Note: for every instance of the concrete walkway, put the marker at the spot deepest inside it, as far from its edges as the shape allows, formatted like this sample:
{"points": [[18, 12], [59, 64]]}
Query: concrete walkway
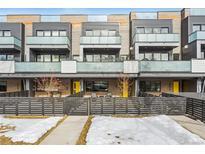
{"points": [[67, 132], [193, 126]]}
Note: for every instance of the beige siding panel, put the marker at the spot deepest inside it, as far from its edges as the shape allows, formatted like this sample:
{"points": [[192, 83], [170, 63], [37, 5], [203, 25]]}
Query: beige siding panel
{"points": [[176, 21], [123, 21], [76, 30], [26, 19]]}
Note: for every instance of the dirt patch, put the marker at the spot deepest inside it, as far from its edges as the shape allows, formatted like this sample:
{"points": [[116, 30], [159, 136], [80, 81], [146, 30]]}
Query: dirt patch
{"points": [[26, 117], [83, 134]]}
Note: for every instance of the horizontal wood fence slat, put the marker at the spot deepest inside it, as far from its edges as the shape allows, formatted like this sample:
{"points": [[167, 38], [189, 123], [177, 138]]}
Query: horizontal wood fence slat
{"points": [[93, 106]]}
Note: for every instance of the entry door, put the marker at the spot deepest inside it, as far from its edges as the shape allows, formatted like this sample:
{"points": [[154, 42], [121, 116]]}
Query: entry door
{"points": [[175, 86], [76, 87]]}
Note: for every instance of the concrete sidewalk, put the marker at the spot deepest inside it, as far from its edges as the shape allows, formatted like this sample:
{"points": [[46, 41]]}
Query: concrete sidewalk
{"points": [[67, 132], [193, 126]]}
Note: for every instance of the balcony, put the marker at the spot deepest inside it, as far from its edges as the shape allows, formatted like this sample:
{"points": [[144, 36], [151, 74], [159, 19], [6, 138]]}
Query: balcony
{"points": [[130, 67], [165, 66], [197, 35], [37, 40], [157, 38], [10, 42], [37, 67], [100, 67], [100, 40]]}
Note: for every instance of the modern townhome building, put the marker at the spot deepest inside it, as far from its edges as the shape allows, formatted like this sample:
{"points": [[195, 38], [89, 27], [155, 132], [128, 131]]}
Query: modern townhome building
{"points": [[157, 51]]}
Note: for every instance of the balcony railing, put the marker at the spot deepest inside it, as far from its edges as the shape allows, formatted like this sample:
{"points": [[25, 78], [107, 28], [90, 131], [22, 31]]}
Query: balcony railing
{"points": [[104, 67], [37, 67], [10, 41], [165, 66], [100, 40], [98, 67], [197, 35], [157, 38], [54, 40]]}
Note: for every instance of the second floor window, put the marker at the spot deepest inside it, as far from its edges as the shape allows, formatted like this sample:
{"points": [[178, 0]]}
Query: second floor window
{"points": [[7, 57], [5, 33], [154, 56], [50, 58]]}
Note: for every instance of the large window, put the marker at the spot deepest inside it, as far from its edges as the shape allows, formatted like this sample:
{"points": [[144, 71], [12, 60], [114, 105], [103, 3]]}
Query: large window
{"points": [[196, 27], [140, 30], [150, 86], [7, 57], [48, 33], [5, 33], [50, 58], [2, 86], [153, 56], [100, 58], [97, 86], [165, 30], [150, 30], [100, 33]]}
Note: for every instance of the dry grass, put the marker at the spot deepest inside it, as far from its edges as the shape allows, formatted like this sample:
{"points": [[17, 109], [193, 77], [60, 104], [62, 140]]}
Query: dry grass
{"points": [[6, 128], [26, 117], [7, 141], [83, 134]]}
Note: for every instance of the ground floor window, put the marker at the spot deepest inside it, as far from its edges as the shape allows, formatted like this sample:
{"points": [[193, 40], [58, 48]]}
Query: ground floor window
{"points": [[50, 58], [97, 86], [2, 86], [150, 86]]}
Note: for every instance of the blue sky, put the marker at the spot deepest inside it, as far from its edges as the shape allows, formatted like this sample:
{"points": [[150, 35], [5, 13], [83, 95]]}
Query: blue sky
{"points": [[5, 11]]}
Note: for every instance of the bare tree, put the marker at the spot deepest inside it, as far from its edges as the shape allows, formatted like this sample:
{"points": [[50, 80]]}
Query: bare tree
{"points": [[49, 85], [125, 83]]}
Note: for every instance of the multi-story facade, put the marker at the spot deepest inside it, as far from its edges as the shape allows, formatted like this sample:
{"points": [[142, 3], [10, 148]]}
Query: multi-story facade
{"points": [[159, 51]]}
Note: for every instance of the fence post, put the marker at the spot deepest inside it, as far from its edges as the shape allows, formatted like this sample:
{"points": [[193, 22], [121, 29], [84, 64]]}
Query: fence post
{"points": [[139, 106], [42, 102], [88, 106], [203, 112], [192, 106], [4, 110], [53, 106], [29, 105], [17, 108], [126, 105], [114, 105], [101, 106]]}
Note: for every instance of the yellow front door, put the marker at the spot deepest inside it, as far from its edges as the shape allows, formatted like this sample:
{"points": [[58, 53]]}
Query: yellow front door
{"points": [[76, 87], [175, 86], [125, 89]]}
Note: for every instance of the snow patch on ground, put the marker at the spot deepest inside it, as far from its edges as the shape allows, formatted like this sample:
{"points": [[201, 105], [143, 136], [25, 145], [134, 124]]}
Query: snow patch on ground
{"points": [[28, 130], [155, 130]]}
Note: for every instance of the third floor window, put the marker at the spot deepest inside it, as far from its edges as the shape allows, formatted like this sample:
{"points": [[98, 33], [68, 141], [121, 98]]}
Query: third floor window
{"points": [[5, 33], [198, 27], [48, 33], [150, 30], [100, 33]]}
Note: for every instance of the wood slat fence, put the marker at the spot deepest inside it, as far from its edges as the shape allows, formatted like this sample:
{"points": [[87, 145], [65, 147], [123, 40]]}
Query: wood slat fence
{"points": [[195, 107], [92, 106]]}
